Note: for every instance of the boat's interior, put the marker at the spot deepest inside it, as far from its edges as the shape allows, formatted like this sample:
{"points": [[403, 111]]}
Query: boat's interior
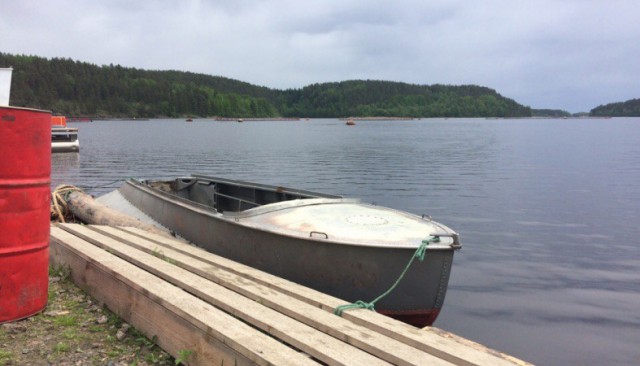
{"points": [[229, 195]]}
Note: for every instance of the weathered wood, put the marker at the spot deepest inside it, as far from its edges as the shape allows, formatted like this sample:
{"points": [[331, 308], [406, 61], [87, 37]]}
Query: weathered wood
{"points": [[432, 340], [476, 346], [90, 211], [370, 341], [358, 327], [301, 336], [180, 320]]}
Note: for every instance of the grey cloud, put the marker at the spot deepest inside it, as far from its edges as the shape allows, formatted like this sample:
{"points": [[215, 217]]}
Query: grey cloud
{"points": [[572, 54]]}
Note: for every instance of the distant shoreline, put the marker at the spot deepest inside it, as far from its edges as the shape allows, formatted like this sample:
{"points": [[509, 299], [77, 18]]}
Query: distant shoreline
{"points": [[377, 118], [234, 119], [275, 119]]}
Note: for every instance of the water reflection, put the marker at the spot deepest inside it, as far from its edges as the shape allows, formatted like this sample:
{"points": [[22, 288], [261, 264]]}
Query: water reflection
{"points": [[65, 167]]}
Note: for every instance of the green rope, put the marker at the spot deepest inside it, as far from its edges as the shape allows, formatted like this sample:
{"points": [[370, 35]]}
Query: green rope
{"points": [[419, 253]]}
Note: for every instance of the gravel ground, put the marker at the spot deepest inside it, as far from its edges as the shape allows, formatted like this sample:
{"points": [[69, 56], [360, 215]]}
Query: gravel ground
{"points": [[75, 330]]}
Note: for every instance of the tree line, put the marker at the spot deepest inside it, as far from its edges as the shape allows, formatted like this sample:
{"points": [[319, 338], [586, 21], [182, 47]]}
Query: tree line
{"points": [[630, 108], [75, 88], [387, 99]]}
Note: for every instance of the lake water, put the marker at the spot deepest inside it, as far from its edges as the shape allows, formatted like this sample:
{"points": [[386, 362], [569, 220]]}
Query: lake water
{"points": [[547, 209]]}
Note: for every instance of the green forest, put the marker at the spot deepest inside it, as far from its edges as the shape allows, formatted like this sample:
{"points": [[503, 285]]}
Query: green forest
{"points": [[75, 88], [630, 108], [551, 113]]}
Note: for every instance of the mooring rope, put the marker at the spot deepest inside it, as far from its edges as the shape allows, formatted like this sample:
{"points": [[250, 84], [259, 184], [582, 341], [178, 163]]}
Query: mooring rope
{"points": [[59, 207], [419, 253]]}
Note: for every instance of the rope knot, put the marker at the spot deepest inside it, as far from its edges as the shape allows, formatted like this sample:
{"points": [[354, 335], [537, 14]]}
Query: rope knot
{"points": [[422, 249], [358, 304]]}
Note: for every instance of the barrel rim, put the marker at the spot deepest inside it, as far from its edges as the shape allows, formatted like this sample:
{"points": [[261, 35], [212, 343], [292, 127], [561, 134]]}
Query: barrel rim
{"points": [[24, 109]]}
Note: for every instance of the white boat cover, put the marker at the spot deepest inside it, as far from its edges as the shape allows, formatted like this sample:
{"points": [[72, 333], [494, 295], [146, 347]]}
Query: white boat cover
{"points": [[346, 221]]}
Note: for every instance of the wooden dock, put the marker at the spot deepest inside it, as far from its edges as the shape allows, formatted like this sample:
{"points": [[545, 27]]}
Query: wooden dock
{"points": [[225, 313]]}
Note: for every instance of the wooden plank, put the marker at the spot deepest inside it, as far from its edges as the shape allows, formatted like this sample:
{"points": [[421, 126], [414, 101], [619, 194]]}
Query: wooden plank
{"points": [[476, 346], [178, 319], [370, 341], [433, 340], [147, 316], [301, 336]]}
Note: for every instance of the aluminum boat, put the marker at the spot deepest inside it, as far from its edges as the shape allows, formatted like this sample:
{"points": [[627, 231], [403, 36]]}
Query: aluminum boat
{"points": [[339, 246]]}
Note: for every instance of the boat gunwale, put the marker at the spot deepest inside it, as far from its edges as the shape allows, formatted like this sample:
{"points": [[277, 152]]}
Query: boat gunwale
{"points": [[142, 185]]}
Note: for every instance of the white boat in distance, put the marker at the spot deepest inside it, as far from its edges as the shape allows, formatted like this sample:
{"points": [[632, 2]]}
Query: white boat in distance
{"points": [[339, 246], [63, 138]]}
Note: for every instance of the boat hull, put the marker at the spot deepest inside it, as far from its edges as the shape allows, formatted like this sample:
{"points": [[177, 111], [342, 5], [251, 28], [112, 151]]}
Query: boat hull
{"points": [[58, 147], [349, 272]]}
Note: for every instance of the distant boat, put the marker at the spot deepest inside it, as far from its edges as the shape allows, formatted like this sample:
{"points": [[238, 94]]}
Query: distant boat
{"points": [[351, 122], [63, 138], [240, 120], [188, 120]]}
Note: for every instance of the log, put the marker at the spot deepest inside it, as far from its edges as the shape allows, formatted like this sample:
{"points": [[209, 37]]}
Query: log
{"points": [[90, 211]]}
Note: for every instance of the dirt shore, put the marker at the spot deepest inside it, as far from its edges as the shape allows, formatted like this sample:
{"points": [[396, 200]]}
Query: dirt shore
{"points": [[75, 330]]}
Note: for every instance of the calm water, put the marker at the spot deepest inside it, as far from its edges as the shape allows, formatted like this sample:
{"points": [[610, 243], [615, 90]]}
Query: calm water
{"points": [[547, 209]]}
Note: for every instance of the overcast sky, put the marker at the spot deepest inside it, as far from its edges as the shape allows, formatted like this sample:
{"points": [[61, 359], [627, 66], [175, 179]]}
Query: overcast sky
{"points": [[561, 54]]}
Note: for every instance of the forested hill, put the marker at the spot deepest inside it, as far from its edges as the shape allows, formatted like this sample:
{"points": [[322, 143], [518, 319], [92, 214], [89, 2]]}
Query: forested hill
{"points": [[76, 88], [81, 89], [630, 108], [384, 98]]}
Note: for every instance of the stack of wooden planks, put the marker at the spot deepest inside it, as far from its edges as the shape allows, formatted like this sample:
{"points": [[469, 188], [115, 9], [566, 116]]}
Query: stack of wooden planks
{"points": [[225, 313]]}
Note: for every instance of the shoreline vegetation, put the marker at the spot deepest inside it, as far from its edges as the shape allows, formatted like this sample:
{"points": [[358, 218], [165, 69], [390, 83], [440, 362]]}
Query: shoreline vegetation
{"points": [[295, 119], [74, 88], [85, 92], [76, 329]]}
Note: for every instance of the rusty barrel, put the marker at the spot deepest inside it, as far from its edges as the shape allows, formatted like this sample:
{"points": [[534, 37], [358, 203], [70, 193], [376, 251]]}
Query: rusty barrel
{"points": [[25, 174]]}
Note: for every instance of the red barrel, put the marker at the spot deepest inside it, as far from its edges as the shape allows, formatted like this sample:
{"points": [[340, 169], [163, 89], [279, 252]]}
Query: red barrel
{"points": [[25, 174]]}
